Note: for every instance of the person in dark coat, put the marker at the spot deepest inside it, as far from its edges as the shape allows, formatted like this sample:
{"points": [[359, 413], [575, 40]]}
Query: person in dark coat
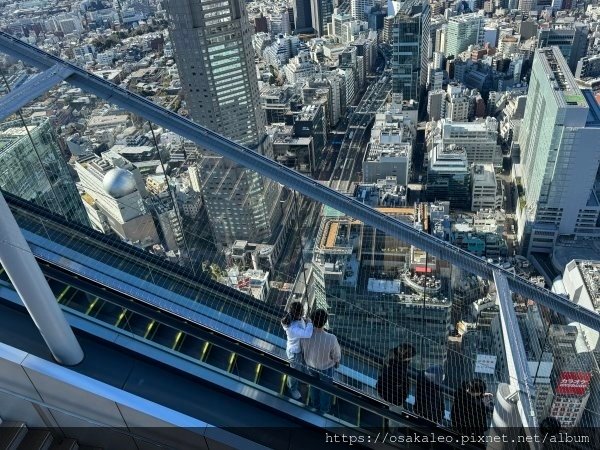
{"points": [[470, 409], [429, 401], [393, 382]]}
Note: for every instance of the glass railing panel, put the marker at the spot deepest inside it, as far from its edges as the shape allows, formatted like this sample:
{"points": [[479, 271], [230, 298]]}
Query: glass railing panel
{"points": [[233, 249]]}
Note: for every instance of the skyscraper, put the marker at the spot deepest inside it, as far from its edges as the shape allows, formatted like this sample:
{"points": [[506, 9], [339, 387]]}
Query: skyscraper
{"points": [[448, 176], [462, 31], [213, 50], [32, 168], [321, 11], [572, 39], [357, 8], [559, 154], [302, 16], [410, 40]]}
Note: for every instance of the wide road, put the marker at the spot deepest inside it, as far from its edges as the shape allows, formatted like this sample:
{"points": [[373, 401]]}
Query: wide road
{"points": [[353, 147]]}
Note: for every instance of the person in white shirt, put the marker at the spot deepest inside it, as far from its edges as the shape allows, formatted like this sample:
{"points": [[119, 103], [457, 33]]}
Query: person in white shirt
{"points": [[296, 328]]}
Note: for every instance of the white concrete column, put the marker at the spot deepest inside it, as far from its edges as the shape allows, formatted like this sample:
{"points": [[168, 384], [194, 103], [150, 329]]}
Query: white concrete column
{"points": [[28, 280], [506, 419], [507, 425]]}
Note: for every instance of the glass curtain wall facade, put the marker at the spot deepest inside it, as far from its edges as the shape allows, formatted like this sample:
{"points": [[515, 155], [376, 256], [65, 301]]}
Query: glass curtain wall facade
{"points": [[213, 50], [558, 145], [410, 46], [33, 168]]}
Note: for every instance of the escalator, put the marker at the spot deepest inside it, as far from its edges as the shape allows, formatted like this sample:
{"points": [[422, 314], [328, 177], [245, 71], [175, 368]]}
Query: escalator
{"points": [[200, 350]]}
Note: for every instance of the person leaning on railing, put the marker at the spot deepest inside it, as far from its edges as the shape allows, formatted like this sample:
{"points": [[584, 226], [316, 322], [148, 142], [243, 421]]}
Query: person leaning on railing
{"points": [[296, 328], [471, 408], [322, 354], [393, 381]]}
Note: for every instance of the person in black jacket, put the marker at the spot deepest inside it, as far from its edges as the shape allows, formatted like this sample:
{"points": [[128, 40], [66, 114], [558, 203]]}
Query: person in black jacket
{"points": [[429, 402], [470, 409], [393, 382]]}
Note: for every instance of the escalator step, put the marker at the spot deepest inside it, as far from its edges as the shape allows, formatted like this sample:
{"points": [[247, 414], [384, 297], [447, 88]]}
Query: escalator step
{"points": [[244, 368], [77, 300], [66, 444], [136, 324], [12, 434], [108, 312], [165, 335], [36, 440]]}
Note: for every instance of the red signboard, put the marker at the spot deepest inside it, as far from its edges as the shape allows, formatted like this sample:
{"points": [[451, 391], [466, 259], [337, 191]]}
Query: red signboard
{"points": [[573, 383]]}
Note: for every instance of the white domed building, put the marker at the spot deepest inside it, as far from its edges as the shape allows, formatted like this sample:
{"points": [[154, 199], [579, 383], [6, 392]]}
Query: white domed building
{"points": [[119, 182], [113, 200]]}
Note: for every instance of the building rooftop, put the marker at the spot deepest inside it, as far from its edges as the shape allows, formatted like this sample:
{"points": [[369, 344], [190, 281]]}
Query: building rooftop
{"points": [[377, 151], [590, 271], [560, 76], [483, 174]]}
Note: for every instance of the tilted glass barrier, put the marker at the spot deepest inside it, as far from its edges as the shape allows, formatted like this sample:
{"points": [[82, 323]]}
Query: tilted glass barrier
{"points": [[232, 250]]}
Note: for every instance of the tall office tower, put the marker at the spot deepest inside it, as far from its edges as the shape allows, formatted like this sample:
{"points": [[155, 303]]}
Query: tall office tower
{"points": [[358, 8], [462, 31], [572, 39], [560, 156], [526, 5], [34, 169], [213, 50], [449, 177], [410, 40], [302, 16], [321, 11]]}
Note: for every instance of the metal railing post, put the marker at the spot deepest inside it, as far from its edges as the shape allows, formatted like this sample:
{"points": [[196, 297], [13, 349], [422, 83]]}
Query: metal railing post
{"points": [[31, 285]]}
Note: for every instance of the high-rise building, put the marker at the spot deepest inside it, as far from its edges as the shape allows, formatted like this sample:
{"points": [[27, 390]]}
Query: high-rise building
{"points": [[389, 151], [462, 31], [587, 67], [572, 39], [410, 44], [572, 373], [302, 16], [448, 176], [485, 188], [358, 8], [213, 50], [321, 11], [559, 143], [479, 139], [399, 310], [33, 168]]}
